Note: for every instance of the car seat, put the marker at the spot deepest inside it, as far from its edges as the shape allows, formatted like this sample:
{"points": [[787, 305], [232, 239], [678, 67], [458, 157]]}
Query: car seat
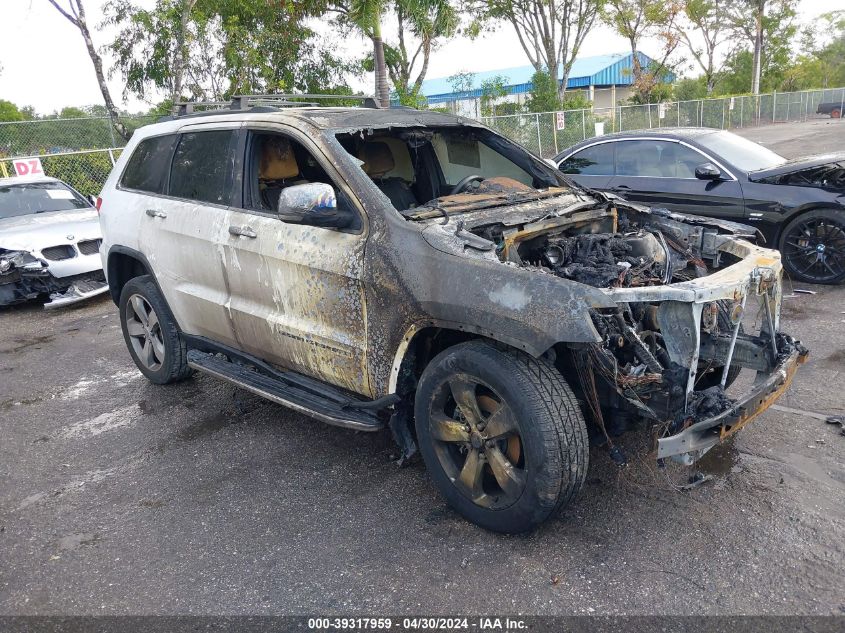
{"points": [[277, 169], [378, 162]]}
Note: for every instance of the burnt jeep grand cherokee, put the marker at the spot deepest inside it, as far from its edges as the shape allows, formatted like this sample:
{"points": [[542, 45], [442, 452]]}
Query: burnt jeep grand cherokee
{"points": [[414, 269]]}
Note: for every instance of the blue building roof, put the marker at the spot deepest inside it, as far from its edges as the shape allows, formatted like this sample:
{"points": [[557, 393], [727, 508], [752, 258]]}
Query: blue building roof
{"points": [[600, 70]]}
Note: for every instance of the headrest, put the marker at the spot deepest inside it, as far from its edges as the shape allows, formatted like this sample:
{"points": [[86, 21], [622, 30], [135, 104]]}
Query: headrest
{"points": [[377, 157], [277, 160]]}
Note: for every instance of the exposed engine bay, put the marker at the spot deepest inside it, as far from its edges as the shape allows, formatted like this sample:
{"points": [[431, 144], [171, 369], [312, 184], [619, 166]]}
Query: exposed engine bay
{"points": [[665, 345]]}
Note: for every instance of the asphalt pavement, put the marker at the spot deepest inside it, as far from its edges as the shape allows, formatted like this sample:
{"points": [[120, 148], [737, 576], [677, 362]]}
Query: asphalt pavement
{"points": [[122, 497]]}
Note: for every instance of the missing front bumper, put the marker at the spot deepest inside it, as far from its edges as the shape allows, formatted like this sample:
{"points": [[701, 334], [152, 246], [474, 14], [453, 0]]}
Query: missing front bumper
{"points": [[695, 440]]}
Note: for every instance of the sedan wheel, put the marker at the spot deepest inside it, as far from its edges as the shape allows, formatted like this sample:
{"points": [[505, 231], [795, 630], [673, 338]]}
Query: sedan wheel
{"points": [[813, 247]]}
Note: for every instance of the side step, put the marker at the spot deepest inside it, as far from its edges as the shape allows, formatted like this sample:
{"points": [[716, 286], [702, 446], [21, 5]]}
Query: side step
{"points": [[287, 393]]}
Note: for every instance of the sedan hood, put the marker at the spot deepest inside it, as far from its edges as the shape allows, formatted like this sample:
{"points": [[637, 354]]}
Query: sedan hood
{"points": [[809, 164], [41, 230]]}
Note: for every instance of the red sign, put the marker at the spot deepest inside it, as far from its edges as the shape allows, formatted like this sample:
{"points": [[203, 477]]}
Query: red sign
{"points": [[28, 167]]}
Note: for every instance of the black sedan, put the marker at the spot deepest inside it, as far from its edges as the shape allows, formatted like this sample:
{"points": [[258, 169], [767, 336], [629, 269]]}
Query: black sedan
{"points": [[798, 205]]}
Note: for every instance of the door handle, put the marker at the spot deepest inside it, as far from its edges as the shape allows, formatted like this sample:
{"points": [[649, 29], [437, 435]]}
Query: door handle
{"points": [[243, 231], [155, 213], [620, 188]]}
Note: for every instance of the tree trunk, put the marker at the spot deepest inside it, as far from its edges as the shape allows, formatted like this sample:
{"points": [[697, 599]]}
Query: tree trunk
{"points": [[181, 51], [382, 91], [758, 49], [78, 20], [101, 79]]}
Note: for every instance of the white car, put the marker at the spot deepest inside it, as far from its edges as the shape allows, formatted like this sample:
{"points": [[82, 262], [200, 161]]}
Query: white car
{"points": [[49, 243]]}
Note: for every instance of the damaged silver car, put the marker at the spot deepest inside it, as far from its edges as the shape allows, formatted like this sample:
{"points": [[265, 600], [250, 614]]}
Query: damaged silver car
{"points": [[49, 243], [418, 271]]}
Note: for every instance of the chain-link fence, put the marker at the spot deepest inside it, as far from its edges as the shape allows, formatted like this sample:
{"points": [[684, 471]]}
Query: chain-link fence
{"points": [[54, 136], [548, 133], [82, 151], [86, 171]]}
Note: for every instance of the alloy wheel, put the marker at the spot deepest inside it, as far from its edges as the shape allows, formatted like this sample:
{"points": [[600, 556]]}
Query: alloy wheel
{"points": [[144, 331], [477, 442], [816, 249]]}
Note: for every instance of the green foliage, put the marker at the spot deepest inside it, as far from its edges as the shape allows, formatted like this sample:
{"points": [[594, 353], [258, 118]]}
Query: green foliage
{"points": [[234, 46], [462, 81], [10, 112], [492, 90], [688, 89], [544, 95], [576, 100]]}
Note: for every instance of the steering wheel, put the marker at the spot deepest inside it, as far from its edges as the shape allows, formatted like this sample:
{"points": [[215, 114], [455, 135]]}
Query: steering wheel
{"points": [[463, 182]]}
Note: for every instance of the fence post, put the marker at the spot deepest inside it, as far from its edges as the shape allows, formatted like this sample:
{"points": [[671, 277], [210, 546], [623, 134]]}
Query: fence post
{"points": [[741, 104], [539, 142], [774, 104], [787, 108], [554, 127], [701, 113], [723, 114], [648, 105], [679, 113], [583, 125], [111, 157]]}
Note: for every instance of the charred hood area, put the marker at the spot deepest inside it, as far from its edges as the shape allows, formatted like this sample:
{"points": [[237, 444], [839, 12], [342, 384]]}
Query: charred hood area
{"points": [[641, 257]]}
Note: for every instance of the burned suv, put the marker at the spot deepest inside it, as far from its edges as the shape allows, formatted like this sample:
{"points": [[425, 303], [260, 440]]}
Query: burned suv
{"points": [[416, 270]]}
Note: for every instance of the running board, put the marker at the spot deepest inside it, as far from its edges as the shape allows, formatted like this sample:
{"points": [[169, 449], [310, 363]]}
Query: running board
{"points": [[286, 393]]}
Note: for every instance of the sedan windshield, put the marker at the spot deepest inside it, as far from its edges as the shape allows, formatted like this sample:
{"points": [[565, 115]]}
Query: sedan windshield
{"points": [[745, 154], [38, 197]]}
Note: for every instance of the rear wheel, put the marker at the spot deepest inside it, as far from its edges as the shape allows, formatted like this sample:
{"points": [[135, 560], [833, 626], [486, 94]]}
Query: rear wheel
{"points": [[150, 332], [501, 434], [813, 247], [835, 114]]}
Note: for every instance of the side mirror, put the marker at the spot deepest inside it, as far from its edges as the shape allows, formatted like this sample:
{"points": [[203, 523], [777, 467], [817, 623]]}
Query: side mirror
{"points": [[314, 204], [708, 171]]}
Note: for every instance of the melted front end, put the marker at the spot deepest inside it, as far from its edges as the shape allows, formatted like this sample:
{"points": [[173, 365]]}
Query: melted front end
{"points": [[676, 337]]}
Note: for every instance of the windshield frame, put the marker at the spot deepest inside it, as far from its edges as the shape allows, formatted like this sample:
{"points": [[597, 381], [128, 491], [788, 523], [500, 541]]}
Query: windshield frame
{"points": [[77, 201], [733, 148]]}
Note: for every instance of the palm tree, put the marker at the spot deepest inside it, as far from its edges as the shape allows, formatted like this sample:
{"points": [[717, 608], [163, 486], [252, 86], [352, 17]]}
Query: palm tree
{"points": [[366, 15]]}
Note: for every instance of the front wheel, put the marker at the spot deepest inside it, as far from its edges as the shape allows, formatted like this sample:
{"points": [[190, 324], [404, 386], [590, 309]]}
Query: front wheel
{"points": [[813, 247], [502, 435]]}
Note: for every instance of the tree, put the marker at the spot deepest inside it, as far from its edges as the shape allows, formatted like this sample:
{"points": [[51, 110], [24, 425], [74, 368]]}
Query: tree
{"points": [[706, 19], [544, 96], [75, 14], [764, 30], [10, 112], [222, 47], [367, 15], [428, 22], [637, 19], [152, 47], [550, 32], [492, 90]]}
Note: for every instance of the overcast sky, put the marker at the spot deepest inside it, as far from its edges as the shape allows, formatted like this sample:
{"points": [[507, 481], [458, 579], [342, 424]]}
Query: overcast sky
{"points": [[45, 64]]}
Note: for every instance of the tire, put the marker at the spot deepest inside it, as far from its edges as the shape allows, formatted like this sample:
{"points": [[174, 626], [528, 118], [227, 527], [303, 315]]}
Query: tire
{"points": [[536, 438], [155, 346], [813, 247], [835, 114]]}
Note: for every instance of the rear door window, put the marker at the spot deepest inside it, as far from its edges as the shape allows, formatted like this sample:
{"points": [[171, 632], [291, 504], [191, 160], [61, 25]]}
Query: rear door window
{"points": [[147, 168], [592, 161], [202, 166]]}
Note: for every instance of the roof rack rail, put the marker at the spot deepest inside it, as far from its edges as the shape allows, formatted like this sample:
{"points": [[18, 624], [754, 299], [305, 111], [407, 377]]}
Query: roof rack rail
{"points": [[189, 107], [242, 102]]}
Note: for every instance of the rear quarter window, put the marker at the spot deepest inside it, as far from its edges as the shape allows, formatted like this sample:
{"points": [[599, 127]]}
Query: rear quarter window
{"points": [[148, 165], [202, 166]]}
